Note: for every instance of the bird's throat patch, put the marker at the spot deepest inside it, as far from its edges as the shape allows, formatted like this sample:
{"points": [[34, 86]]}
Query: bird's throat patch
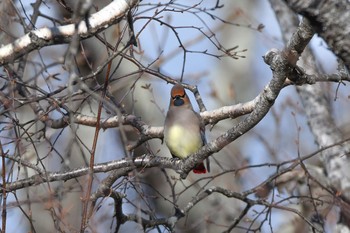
{"points": [[179, 102]]}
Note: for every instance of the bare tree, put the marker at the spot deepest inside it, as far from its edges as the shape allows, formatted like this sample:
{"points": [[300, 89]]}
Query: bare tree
{"points": [[84, 93]]}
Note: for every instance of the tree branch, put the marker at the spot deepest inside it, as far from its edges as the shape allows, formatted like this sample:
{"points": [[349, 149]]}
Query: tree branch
{"points": [[42, 37], [330, 19], [282, 65], [316, 104], [324, 128], [123, 166]]}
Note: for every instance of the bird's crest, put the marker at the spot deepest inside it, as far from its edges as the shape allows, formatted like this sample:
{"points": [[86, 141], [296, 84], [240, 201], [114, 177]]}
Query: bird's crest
{"points": [[178, 90], [179, 97]]}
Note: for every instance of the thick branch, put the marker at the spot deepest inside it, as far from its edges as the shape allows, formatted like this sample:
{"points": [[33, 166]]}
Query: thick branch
{"points": [[330, 19], [282, 68], [42, 37], [317, 105], [322, 124]]}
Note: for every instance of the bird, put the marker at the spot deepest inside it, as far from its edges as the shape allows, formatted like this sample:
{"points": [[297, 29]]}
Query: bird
{"points": [[184, 131]]}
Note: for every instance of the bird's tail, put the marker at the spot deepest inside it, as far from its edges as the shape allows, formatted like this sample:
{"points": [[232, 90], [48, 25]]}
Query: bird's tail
{"points": [[200, 169]]}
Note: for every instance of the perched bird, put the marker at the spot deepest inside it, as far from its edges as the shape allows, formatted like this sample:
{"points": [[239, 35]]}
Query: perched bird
{"points": [[184, 132]]}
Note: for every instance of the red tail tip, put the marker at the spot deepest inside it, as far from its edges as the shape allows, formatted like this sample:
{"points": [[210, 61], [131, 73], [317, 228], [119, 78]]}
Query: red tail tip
{"points": [[200, 169]]}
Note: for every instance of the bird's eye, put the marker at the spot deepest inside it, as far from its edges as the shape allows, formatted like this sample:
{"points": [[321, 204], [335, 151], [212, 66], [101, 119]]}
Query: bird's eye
{"points": [[179, 96]]}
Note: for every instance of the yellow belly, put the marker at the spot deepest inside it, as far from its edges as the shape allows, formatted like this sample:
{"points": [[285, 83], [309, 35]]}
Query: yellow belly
{"points": [[182, 142]]}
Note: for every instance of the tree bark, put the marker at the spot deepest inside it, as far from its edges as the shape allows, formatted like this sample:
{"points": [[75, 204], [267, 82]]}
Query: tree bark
{"points": [[330, 19]]}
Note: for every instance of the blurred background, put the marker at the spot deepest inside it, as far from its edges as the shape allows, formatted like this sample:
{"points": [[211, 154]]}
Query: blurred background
{"points": [[183, 40]]}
